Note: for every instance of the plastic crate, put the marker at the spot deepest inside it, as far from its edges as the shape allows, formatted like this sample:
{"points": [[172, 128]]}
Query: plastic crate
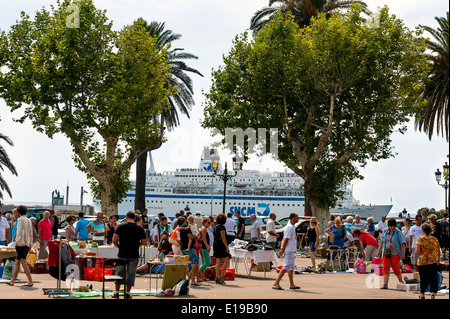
{"points": [[229, 274], [99, 262], [40, 267], [210, 273], [96, 274]]}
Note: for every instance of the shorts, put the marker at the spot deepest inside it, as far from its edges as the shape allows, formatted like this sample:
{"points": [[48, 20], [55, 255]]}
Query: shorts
{"points": [[22, 252], [312, 246], [131, 271], [289, 261], [193, 257]]}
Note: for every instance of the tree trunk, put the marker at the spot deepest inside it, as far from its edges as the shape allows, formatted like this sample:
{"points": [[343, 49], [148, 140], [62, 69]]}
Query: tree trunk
{"points": [[108, 206], [308, 211], [322, 215], [141, 172]]}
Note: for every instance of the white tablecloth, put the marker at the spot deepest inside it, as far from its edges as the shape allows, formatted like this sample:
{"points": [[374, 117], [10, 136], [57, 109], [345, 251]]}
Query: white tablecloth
{"points": [[258, 256], [111, 252]]}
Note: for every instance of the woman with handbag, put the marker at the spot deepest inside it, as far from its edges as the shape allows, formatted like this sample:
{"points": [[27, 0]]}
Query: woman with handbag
{"points": [[392, 249]]}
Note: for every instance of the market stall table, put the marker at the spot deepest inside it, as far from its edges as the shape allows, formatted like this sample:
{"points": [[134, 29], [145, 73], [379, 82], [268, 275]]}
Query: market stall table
{"points": [[145, 253], [258, 256]]}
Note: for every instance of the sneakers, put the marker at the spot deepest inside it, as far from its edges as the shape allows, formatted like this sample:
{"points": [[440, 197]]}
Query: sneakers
{"points": [[116, 295]]}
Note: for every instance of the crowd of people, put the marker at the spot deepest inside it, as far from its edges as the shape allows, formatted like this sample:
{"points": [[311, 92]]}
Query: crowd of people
{"points": [[419, 244]]}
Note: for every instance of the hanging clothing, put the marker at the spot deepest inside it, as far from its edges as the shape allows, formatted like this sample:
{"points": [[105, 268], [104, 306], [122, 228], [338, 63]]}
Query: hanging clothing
{"points": [[67, 256]]}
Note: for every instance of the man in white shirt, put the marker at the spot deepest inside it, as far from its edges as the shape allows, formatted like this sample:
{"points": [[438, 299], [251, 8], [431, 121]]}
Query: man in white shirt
{"points": [[4, 230], [256, 228], [381, 226], [271, 235], [24, 240], [288, 248], [414, 233]]}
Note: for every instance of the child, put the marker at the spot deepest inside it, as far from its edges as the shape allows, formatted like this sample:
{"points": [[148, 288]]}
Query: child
{"points": [[194, 230]]}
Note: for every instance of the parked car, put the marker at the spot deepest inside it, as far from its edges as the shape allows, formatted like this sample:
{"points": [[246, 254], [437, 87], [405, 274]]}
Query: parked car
{"points": [[285, 220], [262, 222], [300, 228], [63, 224]]}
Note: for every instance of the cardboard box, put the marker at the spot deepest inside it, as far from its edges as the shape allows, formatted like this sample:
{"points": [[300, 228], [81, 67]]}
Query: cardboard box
{"points": [[408, 287], [265, 266]]}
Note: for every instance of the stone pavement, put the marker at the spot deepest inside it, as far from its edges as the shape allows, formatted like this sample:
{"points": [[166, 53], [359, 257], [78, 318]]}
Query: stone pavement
{"points": [[258, 287]]}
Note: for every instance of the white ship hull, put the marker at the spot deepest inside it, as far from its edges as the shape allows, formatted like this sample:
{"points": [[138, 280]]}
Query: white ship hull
{"points": [[250, 192]]}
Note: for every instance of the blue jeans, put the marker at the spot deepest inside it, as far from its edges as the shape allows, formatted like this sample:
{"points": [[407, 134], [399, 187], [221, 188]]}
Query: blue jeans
{"points": [[193, 257]]}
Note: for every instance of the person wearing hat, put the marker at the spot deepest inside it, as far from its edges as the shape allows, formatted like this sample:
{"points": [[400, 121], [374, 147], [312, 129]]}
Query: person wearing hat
{"points": [[392, 249]]}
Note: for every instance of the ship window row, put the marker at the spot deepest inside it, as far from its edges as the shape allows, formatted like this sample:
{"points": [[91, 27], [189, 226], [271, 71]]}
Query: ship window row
{"points": [[216, 203]]}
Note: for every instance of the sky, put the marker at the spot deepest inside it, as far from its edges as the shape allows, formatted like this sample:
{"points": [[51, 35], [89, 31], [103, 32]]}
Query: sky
{"points": [[208, 28]]}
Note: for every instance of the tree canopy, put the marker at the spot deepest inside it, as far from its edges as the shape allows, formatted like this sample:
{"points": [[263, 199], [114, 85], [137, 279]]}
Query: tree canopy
{"points": [[102, 89], [335, 90]]}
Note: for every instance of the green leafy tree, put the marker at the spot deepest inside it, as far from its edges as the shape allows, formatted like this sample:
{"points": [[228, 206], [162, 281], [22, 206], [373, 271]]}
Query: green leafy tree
{"points": [[181, 101], [335, 90], [302, 10], [434, 117], [5, 162], [102, 89]]}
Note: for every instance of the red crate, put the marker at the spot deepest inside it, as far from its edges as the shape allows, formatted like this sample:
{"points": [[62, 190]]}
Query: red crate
{"points": [[210, 273], [40, 267], [229, 274], [99, 262], [96, 274]]}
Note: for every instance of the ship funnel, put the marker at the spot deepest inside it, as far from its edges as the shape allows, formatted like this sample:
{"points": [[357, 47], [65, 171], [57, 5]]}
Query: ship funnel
{"points": [[151, 170]]}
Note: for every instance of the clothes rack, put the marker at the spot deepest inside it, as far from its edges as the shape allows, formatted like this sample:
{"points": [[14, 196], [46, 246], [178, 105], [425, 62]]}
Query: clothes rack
{"points": [[58, 291]]}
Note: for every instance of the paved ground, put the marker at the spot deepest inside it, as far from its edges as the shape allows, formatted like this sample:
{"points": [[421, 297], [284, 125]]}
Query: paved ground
{"points": [[313, 286]]}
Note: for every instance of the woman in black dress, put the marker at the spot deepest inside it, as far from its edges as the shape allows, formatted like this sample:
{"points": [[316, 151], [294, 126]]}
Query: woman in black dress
{"points": [[220, 247]]}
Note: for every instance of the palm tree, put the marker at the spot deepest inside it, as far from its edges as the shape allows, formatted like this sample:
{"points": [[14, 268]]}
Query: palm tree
{"points": [[5, 162], [182, 101], [436, 91], [302, 10]]}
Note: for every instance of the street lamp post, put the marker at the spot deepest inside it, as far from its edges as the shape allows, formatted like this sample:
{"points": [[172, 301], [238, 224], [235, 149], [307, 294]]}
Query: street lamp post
{"points": [[438, 176], [225, 176]]}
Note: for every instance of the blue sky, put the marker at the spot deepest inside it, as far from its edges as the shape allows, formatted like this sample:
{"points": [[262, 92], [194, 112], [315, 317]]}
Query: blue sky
{"points": [[208, 28]]}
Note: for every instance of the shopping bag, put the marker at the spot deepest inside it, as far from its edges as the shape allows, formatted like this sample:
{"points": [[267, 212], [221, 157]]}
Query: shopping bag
{"points": [[360, 266], [31, 258], [8, 270]]}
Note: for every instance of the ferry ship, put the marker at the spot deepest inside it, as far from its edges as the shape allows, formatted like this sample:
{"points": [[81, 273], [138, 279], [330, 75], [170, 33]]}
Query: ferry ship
{"points": [[250, 192]]}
